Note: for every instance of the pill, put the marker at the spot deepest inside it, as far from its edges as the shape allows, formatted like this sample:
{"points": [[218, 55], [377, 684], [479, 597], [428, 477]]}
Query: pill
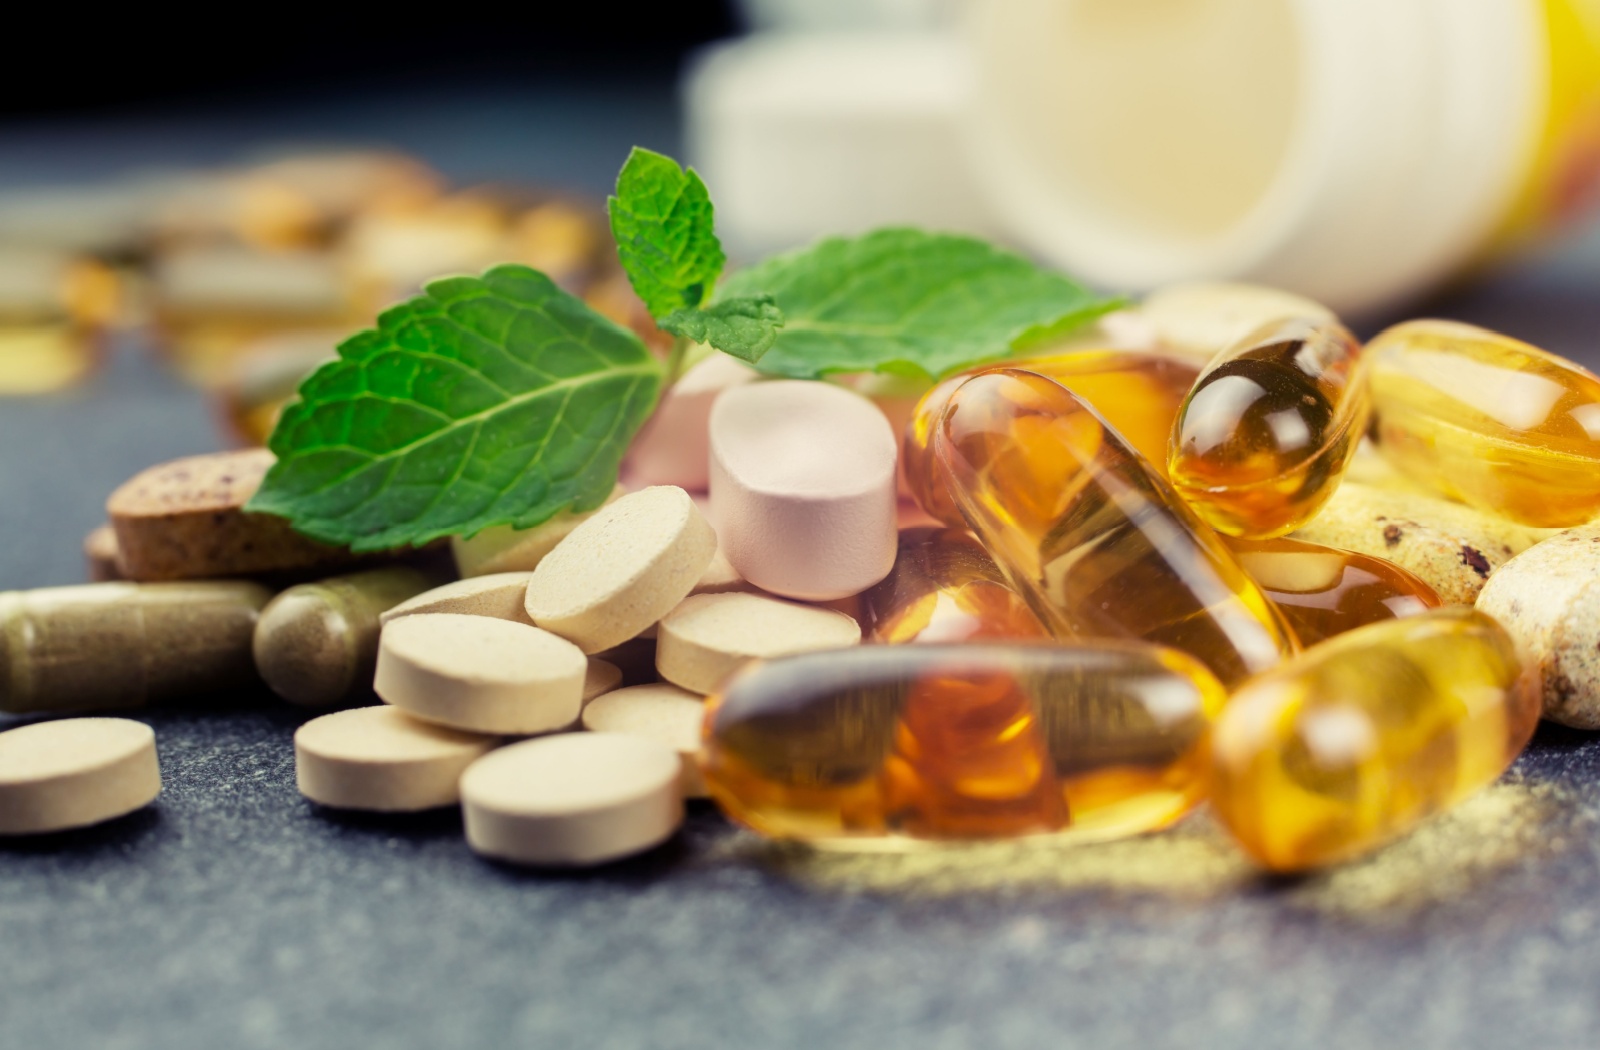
{"points": [[382, 760], [1137, 393], [803, 488], [1324, 591], [623, 569], [674, 447], [76, 772], [600, 677], [720, 577], [1098, 543], [944, 587], [1496, 423], [904, 742], [480, 674], [185, 519], [97, 646], [1548, 597], [1451, 547], [316, 644], [1198, 319], [710, 636], [504, 549], [1263, 439], [100, 555], [573, 800], [1359, 739], [500, 595], [660, 712]]}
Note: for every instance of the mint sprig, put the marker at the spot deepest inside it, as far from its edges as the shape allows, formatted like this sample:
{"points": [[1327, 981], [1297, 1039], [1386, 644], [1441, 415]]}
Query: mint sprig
{"points": [[745, 327], [662, 219]]}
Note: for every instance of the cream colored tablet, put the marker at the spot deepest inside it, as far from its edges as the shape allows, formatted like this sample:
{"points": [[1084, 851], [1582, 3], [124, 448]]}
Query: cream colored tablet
{"points": [[600, 678], [623, 569], [1199, 319], [803, 488], [55, 776], [659, 712], [710, 636], [572, 800], [504, 549], [499, 595], [381, 759], [720, 577], [673, 448], [480, 674]]}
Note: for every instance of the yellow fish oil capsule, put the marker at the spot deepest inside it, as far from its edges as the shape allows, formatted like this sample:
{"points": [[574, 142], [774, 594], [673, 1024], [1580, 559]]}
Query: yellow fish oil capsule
{"points": [[1137, 393], [944, 587], [1490, 421], [1359, 739], [1264, 437], [1098, 544], [887, 743], [1324, 591]]}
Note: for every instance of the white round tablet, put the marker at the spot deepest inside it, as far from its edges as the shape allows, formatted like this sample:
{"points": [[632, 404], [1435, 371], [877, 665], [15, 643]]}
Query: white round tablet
{"points": [[658, 711], [76, 772], [383, 760], [480, 674], [710, 636], [572, 800]]}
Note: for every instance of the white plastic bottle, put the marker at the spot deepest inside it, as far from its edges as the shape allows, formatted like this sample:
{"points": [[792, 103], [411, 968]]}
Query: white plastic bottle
{"points": [[1356, 151]]}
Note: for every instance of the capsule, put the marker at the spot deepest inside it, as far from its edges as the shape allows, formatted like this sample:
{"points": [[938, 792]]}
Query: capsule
{"points": [[897, 743], [944, 588], [1361, 738], [1096, 542], [1137, 393], [1490, 421], [1324, 591], [116, 645], [1264, 437]]}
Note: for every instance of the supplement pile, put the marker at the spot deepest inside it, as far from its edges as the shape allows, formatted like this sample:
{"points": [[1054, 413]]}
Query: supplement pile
{"points": [[1208, 550]]}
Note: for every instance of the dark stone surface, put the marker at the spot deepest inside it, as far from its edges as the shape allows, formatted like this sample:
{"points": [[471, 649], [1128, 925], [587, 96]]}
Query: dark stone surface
{"points": [[235, 915]]}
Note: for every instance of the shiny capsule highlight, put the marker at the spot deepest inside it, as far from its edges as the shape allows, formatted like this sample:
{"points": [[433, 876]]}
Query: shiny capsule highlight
{"points": [[945, 588]]}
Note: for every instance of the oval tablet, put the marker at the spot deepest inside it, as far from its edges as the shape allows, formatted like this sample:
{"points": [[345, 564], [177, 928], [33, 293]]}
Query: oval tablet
{"points": [[499, 595], [572, 800], [710, 636], [803, 488], [55, 776], [659, 712], [480, 674], [382, 760], [623, 569]]}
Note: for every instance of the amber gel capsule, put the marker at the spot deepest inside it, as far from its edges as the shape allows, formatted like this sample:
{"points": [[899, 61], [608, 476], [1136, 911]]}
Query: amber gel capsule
{"points": [[1357, 740], [1324, 591], [944, 587], [1098, 544], [1490, 421], [1265, 435], [881, 744], [1137, 393]]}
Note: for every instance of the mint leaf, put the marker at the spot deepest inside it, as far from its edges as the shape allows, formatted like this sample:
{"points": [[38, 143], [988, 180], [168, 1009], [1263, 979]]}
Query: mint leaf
{"points": [[662, 220], [493, 400], [906, 301], [744, 328]]}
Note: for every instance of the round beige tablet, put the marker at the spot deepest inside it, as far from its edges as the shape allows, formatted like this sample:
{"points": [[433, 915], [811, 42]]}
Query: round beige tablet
{"points": [[710, 636], [498, 595], [659, 712], [600, 678], [55, 776], [480, 674], [381, 759], [623, 569], [572, 800]]}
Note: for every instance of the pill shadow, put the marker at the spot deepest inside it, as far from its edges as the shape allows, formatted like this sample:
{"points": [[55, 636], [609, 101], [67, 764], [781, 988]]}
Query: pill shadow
{"points": [[119, 835], [429, 824], [641, 869]]}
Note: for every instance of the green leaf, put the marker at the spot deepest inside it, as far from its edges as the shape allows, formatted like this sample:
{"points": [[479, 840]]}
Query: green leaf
{"points": [[743, 327], [493, 400], [662, 220], [906, 301]]}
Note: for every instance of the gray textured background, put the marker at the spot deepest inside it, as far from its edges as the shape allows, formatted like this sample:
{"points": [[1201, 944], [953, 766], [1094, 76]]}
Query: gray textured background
{"points": [[233, 914]]}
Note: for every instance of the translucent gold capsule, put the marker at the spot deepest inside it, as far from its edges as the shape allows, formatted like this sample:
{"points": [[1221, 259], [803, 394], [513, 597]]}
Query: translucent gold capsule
{"points": [[1264, 437], [1137, 393], [1098, 544], [945, 588], [885, 744], [1490, 421], [1359, 739], [1324, 591]]}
